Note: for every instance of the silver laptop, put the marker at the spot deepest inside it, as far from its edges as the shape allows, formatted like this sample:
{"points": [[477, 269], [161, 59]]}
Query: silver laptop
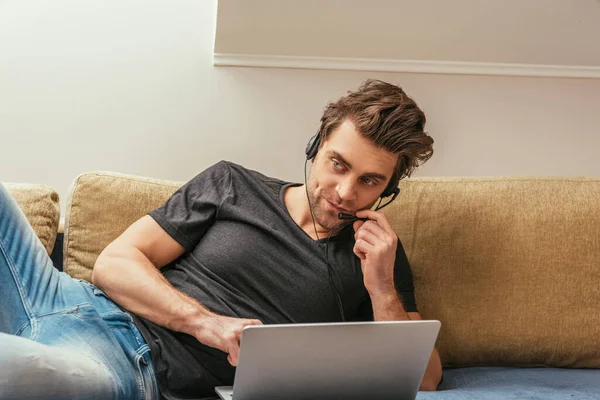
{"points": [[357, 360]]}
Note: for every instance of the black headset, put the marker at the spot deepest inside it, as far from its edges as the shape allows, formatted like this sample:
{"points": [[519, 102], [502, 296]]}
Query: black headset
{"points": [[312, 148]]}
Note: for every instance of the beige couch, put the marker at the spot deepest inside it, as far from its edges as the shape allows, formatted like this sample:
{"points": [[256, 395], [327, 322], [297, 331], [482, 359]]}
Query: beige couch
{"points": [[510, 266]]}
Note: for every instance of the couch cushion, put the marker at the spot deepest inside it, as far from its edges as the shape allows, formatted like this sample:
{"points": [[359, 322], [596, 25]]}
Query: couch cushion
{"points": [[100, 206], [510, 266], [509, 383], [40, 204]]}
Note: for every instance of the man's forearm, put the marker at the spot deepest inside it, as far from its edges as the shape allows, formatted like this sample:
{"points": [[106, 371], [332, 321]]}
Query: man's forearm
{"points": [[133, 282], [389, 307]]}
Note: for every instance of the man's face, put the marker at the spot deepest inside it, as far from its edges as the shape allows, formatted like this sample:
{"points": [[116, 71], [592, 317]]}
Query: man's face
{"points": [[348, 174]]}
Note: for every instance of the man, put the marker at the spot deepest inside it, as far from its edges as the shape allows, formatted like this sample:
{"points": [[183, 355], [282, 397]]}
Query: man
{"points": [[230, 248]]}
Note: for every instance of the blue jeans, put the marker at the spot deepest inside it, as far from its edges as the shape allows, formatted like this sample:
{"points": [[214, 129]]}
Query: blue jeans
{"points": [[61, 338]]}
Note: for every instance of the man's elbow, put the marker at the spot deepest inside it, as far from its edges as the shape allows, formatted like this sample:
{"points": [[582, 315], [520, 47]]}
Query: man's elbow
{"points": [[98, 271], [102, 268], [429, 385]]}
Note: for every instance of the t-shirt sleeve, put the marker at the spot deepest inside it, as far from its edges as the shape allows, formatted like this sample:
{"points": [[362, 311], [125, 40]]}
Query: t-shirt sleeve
{"points": [[192, 209], [403, 281]]}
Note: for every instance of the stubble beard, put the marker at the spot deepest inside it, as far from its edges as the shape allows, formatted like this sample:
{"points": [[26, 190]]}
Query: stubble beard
{"points": [[322, 217]]}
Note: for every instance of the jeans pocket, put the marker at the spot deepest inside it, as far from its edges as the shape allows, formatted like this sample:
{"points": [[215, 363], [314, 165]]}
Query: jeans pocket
{"points": [[138, 373], [103, 304]]}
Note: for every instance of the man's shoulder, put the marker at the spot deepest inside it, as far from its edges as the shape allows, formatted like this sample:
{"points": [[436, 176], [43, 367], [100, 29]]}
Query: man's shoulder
{"points": [[238, 171]]}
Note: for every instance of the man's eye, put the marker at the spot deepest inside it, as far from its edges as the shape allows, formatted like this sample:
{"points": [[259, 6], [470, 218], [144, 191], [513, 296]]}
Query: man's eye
{"points": [[336, 164], [368, 181]]}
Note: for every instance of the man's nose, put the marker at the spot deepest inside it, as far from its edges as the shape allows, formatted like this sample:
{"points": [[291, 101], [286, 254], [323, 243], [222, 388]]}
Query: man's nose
{"points": [[346, 190]]}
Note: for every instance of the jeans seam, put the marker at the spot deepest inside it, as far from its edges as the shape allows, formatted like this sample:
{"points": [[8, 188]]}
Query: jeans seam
{"points": [[142, 345], [22, 328], [69, 310], [109, 313], [24, 300]]}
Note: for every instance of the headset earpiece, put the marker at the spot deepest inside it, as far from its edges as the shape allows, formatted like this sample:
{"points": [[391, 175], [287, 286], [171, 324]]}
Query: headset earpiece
{"points": [[391, 190], [312, 147]]}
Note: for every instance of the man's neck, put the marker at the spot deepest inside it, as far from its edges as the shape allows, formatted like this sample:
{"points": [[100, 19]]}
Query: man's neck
{"points": [[297, 205]]}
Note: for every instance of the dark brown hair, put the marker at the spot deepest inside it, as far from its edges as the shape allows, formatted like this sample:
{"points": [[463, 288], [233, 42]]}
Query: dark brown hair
{"points": [[384, 114]]}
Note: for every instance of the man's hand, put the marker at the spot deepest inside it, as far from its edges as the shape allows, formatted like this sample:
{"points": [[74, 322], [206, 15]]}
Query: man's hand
{"points": [[224, 333], [376, 244]]}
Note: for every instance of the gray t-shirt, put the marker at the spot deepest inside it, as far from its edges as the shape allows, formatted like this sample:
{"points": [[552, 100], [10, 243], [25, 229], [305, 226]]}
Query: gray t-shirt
{"points": [[246, 257]]}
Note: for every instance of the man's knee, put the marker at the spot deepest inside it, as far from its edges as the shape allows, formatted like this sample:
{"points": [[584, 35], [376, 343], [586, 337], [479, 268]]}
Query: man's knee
{"points": [[33, 370]]}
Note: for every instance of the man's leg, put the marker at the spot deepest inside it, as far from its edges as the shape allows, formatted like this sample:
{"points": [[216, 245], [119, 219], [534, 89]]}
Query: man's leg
{"points": [[64, 316], [30, 286], [31, 370]]}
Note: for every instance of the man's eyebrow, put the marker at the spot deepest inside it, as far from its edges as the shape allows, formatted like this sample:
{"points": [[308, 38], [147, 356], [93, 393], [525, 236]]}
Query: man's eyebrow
{"points": [[335, 154]]}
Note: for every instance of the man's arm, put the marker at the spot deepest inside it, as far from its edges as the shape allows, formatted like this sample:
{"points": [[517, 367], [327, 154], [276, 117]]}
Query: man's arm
{"points": [[389, 308], [128, 272], [376, 244]]}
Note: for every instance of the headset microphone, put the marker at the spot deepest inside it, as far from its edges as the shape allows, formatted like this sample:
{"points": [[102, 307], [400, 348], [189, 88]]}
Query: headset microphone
{"points": [[350, 217]]}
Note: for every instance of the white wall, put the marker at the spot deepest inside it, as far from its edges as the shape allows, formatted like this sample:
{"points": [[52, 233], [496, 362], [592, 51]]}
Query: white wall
{"points": [[555, 32], [128, 86]]}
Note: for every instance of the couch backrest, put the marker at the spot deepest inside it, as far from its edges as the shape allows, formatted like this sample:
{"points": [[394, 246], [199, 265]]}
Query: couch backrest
{"points": [[510, 266], [100, 206], [40, 204]]}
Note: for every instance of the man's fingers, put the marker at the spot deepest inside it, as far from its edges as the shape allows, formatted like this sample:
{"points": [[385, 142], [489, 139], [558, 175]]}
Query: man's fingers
{"points": [[374, 229], [357, 224], [234, 346], [368, 236], [378, 217], [234, 352], [230, 336], [362, 247]]}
